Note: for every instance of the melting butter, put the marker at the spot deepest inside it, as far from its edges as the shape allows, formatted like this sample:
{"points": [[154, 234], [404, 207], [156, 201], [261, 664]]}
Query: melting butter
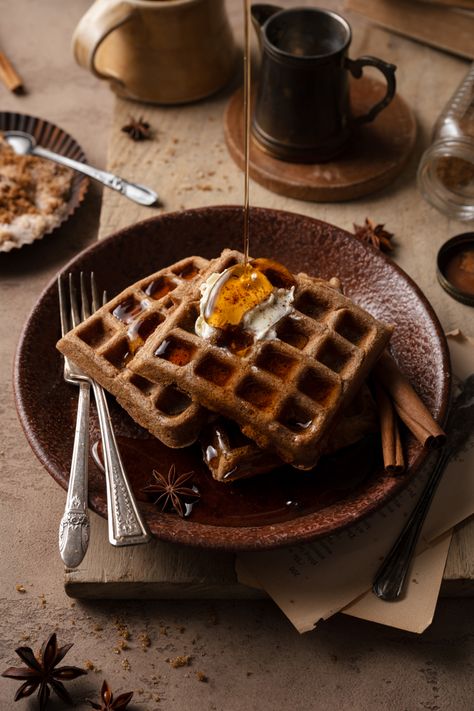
{"points": [[235, 292], [243, 296]]}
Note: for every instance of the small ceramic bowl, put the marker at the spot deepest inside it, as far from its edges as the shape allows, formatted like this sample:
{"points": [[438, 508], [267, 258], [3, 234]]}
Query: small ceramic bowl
{"points": [[55, 139]]}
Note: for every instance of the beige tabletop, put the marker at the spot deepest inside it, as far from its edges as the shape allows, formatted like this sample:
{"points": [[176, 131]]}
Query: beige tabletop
{"points": [[252, 657]]}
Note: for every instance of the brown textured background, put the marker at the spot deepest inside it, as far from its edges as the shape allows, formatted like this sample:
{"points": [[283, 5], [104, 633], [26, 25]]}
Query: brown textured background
{"points": [[253, 657]]}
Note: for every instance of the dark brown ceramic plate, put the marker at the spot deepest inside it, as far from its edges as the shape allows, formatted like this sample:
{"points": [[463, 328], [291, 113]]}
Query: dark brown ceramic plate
{"points": [[282, 508], [55, 139]]}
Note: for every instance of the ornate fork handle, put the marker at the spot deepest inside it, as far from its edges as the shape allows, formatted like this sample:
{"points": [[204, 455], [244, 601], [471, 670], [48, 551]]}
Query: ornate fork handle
{"points": [[126, 525], [74, 525]]}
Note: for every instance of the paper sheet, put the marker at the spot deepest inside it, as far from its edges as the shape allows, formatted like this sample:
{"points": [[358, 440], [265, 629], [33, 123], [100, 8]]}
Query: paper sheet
{"points": [[313, 581], [414, 612]]}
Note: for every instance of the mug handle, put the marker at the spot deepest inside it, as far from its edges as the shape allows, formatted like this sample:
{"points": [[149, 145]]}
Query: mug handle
{"points": [[100, 20], [355, 66]]}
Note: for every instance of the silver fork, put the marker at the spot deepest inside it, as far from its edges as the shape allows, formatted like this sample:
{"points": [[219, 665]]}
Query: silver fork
{"points": [[74, 526], [126, 525]]}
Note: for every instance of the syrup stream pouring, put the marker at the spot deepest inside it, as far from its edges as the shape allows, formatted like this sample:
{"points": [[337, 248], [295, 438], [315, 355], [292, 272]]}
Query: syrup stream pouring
{"points": [[25, 144]]}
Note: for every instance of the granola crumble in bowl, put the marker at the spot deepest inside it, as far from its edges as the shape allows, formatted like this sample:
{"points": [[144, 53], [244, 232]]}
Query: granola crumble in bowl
{"points": [[36, 195]]}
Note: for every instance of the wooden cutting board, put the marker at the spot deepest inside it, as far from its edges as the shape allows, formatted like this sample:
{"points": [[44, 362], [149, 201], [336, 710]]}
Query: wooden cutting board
{"points": [[445, 24], [187, 162], [377, 152]]}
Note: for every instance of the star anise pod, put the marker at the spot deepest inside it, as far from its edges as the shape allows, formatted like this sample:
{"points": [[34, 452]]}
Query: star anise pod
{"points": [[172, 490], [375, 235], [137, 129], [42, 672], [108, 703]]}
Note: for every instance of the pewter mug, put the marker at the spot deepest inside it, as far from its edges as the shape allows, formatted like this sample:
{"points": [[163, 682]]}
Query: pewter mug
{"points": [[302, 108]]}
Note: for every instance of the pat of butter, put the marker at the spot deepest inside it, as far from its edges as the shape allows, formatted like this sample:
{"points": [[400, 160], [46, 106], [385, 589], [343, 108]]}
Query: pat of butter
{"points": [[260, 320]]}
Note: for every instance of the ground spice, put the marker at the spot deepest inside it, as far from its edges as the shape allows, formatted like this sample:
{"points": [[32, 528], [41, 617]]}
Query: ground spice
{"points": [[455, 173], [181, 661]]}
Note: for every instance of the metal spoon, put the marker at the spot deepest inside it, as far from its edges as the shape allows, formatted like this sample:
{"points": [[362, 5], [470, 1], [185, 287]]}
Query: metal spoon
{"points": [[23, 144]]}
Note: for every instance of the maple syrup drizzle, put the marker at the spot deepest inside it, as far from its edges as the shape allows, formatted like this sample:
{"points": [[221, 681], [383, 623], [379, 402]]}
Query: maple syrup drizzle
{"points": [[158, 288], [128, 310], [243, 286], [231, 297], [247, 116], [236, 292]]}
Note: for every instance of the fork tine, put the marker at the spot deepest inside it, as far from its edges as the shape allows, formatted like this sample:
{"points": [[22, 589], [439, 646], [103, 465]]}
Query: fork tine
{"points": [[86, 309], [95, 293], [65, 327], [104, 297], [76, 318]]}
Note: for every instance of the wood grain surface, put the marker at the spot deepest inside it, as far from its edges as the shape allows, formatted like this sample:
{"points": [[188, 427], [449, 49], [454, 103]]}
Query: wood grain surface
{"points": [[444, 26], [372, 160], [188, 164], [247, 649]]}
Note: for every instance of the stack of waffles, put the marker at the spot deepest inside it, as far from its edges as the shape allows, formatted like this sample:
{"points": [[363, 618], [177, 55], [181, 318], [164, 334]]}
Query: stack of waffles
{"points": [[288, 399]]}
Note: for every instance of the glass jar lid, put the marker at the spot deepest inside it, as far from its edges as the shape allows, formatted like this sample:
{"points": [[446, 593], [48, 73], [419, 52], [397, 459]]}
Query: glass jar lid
{"points": [[455, 267]]}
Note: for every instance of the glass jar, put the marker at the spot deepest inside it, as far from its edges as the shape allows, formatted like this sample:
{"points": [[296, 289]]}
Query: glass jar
{"points": [[446, 170]]}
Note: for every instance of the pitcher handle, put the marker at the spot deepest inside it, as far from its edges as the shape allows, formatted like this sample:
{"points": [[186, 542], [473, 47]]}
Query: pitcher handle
{"points": [[99, 22], [355, 66]]}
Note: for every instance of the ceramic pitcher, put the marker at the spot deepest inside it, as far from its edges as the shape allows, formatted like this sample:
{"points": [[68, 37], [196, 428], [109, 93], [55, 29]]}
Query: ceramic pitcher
{"points": [[162, 51]]}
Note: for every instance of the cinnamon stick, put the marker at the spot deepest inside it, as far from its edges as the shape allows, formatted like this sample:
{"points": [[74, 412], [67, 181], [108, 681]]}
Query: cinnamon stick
{"points": [[393, 459], [408, 405], [8, 75]]}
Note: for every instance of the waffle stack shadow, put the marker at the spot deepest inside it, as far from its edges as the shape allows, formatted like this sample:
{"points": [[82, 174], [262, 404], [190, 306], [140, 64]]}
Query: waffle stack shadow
{"points": [[285, 395]]}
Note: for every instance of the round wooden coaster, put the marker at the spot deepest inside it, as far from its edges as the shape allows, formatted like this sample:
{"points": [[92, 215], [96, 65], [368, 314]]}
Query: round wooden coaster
{"points": [[375, 155]]}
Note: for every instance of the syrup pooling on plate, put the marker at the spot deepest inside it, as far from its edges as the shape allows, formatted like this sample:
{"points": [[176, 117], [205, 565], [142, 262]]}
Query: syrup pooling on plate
{"points": [[244, 302]]}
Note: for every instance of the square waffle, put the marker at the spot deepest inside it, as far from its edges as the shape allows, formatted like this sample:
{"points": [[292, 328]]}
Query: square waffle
{"points": [[105, 345], [230, 455], [284, 393]]}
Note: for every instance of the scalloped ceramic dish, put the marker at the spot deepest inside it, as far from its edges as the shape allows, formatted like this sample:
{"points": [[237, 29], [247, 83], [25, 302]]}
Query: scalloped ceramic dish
{"points": [[55, 139], [281, 508]]}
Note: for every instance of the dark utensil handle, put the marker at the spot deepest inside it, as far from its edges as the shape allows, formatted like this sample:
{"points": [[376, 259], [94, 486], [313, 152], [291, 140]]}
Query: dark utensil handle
{"points": [[390, 578], [355, 66]]}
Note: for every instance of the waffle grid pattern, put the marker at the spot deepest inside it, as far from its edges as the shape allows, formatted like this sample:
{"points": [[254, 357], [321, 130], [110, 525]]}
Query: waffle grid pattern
{"points": [[286, 392], [231, 456], [106, 344]]}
